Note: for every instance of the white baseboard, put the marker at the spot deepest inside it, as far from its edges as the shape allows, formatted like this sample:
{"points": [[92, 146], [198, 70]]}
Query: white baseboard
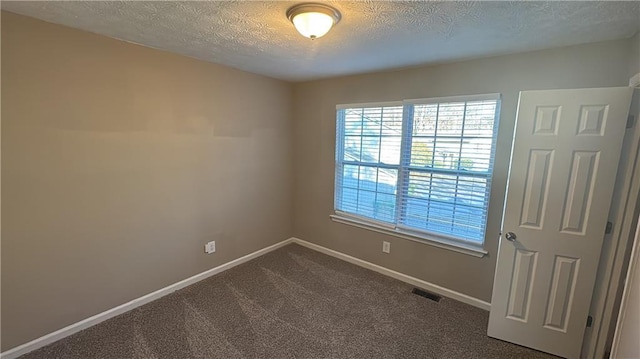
{"points": [[397, 275], [108, 314]]}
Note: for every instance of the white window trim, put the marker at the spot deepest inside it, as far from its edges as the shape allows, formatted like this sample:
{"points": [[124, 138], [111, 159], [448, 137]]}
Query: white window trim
{"points": [[369, 104], [434, 239], [424, 238], [469, 98]]}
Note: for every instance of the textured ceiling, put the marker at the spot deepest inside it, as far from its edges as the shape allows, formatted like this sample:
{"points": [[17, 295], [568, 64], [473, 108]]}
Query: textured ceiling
{"points": [[373, 35]]}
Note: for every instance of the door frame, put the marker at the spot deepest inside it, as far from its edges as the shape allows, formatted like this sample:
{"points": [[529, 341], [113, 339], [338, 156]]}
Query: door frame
{"points": [[626, 311], [616, 245]]}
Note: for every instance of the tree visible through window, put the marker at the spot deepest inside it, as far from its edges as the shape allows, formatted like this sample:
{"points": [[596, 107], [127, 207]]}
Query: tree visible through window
{"points": [[419, 166]]}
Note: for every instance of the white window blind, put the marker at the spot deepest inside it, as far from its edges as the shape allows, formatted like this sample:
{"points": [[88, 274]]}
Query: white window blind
{"points": [[419, 166]]}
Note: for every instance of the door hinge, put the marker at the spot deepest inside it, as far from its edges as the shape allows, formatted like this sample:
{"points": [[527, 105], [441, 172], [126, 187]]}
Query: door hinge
{"points": [[589, 321], [630, 121], [608, 228]]}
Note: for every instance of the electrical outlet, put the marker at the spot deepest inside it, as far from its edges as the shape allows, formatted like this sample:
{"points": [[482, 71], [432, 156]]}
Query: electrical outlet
{"points": [[386, 247], [210, 247]]}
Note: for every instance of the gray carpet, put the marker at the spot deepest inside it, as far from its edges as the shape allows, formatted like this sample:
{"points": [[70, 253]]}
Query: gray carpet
{"points": [[292, 303]]}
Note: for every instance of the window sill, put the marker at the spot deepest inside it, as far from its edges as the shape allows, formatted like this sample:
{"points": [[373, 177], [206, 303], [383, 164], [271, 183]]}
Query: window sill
{"points": [[449, 245]]}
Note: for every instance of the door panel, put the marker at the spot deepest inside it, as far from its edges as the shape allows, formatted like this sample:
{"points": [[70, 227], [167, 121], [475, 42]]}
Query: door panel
{"points": [[560, 299], [563, 166], [524, 269], [536, 188], [577, 200]]}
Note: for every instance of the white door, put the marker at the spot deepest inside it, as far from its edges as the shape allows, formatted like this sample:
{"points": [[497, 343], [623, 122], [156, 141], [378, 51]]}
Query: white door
{"points": [[563, 167]]}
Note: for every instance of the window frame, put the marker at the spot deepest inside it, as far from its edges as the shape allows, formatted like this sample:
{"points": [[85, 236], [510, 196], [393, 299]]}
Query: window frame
{"points": [[403, 167]]}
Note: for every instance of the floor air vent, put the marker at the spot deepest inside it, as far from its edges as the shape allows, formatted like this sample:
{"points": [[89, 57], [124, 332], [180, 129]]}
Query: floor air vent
{"points": [[423, 293]]}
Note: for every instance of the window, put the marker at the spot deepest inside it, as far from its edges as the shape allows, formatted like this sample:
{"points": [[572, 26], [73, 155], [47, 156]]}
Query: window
{"points": [[419, 167]]}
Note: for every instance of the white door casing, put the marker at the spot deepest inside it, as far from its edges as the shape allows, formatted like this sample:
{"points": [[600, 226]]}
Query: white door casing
{"points": [[561, 178], [625, 341]]}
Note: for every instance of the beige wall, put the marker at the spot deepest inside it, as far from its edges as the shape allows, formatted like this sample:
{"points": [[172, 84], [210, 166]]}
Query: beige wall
{"points": [[634, 56], [595, 65], [119, 163]]}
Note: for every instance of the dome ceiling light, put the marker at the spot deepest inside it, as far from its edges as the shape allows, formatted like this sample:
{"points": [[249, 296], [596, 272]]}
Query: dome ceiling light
{"points": [[313, 20]]}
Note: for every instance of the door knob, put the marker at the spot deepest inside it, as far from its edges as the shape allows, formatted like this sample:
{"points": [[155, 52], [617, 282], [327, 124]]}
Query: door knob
{"points": [[510, 236]]}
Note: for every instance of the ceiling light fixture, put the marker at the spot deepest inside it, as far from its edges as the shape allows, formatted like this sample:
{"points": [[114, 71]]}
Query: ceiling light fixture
{"points": [[313, 20]]}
